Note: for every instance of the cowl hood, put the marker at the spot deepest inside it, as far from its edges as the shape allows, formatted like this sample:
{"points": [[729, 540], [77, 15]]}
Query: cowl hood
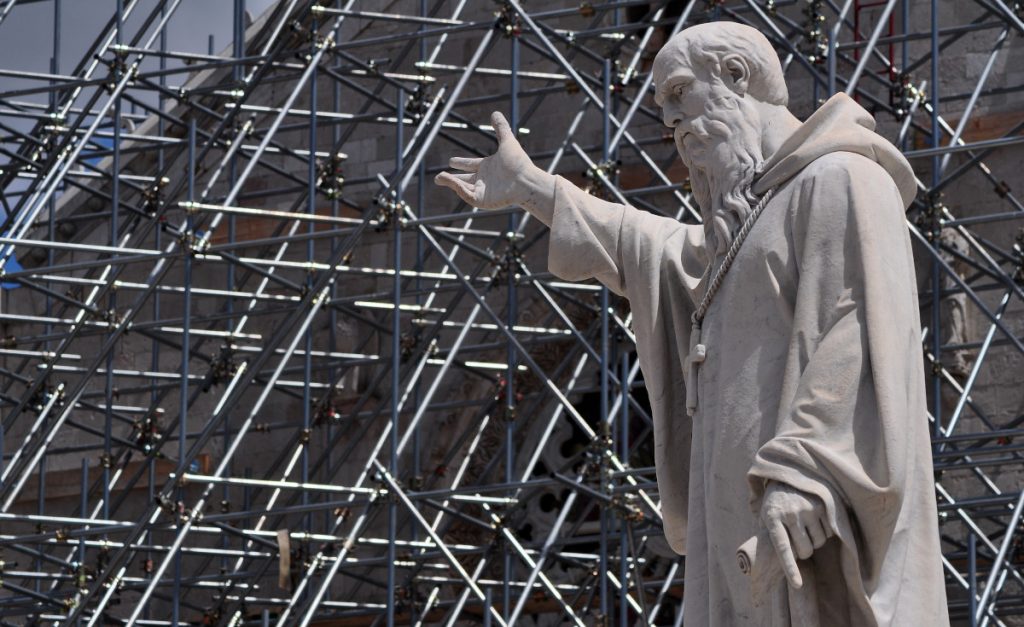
{"points": [[839, 125]]}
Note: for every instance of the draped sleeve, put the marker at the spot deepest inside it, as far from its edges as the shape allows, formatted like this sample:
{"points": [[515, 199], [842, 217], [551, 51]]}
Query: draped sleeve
{"points": [[658, 264], [852, 425]]}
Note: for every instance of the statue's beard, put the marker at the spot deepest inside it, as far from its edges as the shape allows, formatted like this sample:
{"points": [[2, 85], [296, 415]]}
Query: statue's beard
{"points": [[722, 151]]}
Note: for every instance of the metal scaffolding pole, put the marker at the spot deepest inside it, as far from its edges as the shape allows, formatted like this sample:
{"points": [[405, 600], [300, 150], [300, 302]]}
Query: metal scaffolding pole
{"points": [[255, 369]]}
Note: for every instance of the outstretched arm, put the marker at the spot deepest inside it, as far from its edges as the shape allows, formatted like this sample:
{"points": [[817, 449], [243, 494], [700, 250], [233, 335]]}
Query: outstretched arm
{"points": [[508, 177]]}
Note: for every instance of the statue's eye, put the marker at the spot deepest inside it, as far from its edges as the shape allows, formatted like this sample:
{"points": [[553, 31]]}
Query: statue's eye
{"points": [[679, 89]]}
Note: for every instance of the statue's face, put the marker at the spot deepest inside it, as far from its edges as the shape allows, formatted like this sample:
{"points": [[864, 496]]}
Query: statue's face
{"points": [[717, 131], [681, 96], [689, 95]]}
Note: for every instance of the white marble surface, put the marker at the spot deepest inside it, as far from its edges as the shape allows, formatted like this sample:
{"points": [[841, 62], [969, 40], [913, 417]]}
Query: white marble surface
{"points": [[810, 434]]}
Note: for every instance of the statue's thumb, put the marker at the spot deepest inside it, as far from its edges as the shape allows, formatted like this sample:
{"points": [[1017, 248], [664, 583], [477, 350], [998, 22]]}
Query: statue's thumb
{"points": [[501, 127]]}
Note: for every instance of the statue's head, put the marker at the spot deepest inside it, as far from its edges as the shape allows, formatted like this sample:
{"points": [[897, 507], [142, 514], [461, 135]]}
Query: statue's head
{"points": [[709, 80]]}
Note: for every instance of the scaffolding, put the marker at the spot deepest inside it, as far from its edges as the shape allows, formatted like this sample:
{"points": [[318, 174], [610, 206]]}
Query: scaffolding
{"points": [[251, 374]]}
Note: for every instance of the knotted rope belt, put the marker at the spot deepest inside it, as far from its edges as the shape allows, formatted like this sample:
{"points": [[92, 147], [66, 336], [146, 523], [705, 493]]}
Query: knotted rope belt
{"points": [[698, 351]]}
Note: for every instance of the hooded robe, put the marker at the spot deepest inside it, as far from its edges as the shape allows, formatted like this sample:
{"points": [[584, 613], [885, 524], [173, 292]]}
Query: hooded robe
{"points": [[813, 375]]}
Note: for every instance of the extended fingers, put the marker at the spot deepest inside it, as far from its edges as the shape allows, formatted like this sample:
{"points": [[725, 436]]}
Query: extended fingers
{"points": [[458, 183], [466, 177], [780, 540], [466, 164]]}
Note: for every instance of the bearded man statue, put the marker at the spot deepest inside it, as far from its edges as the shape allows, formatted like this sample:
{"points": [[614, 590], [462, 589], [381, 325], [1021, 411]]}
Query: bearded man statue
{"points": [[779, 341]]}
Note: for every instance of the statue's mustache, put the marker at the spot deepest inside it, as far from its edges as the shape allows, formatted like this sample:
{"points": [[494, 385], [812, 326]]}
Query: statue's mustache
{"points": [[693, 131], [688, 141], [728, 121], [700, 133]]}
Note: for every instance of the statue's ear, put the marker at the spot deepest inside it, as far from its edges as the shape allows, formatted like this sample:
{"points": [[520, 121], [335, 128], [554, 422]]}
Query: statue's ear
{"points": [[736, 73]]}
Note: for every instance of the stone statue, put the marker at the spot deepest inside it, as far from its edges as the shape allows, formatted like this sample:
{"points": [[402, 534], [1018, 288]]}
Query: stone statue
{"points": [[779, 341], [955, 251]]}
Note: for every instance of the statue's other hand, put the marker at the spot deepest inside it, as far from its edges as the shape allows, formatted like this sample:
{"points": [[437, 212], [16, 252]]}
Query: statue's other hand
{"points": [[491, 182], [797, 525]]}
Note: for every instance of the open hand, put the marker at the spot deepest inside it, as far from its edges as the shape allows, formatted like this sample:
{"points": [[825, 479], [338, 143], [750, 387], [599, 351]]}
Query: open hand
{"points": [[492, 182], [797, 525]]}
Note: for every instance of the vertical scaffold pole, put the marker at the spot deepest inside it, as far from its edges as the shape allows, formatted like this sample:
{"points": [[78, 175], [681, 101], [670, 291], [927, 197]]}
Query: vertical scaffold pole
{"points": [[396, 351], [605, 302], [935, 226], [512, 315]]}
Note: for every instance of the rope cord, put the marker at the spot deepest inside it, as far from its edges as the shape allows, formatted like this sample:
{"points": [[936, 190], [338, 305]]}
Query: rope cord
{"points": [[730, 256]]}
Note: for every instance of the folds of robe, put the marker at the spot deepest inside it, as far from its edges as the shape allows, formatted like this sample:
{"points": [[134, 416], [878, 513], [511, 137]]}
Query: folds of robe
{"points": [[813, 375]]}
